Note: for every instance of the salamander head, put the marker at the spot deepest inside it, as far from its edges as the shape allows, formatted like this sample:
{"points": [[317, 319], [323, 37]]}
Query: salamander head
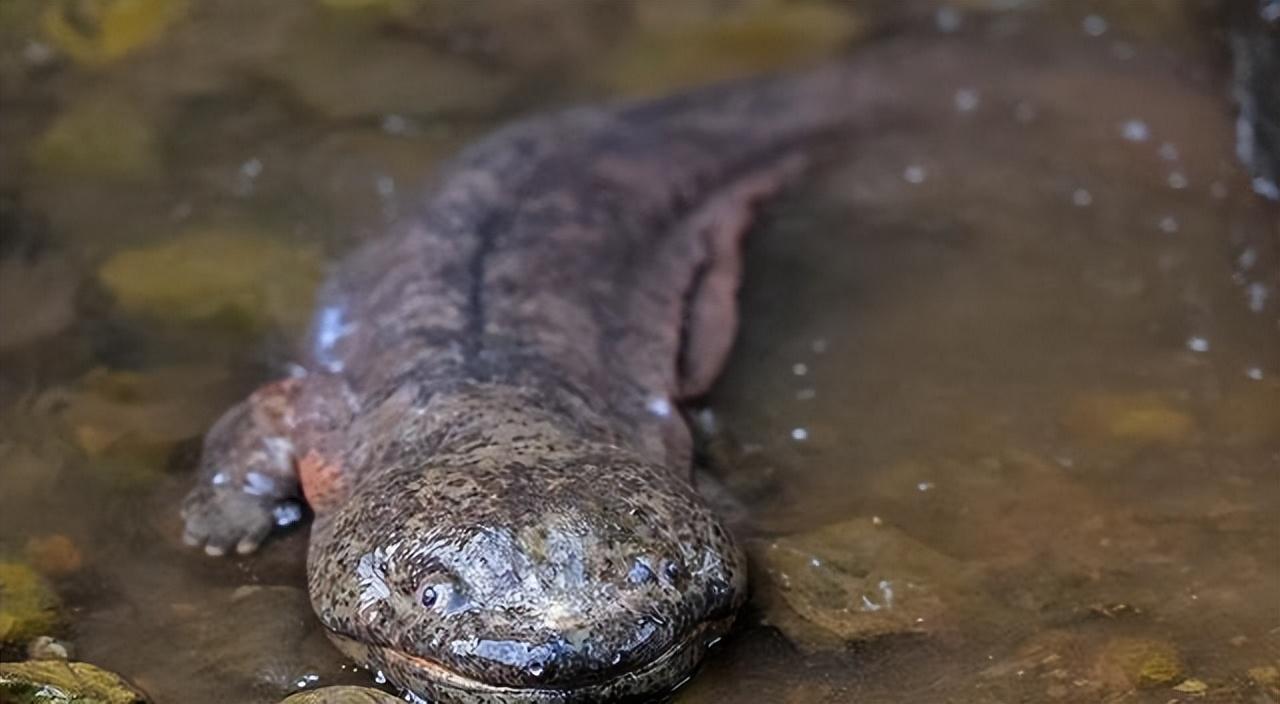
{"points": [[597, 578]]}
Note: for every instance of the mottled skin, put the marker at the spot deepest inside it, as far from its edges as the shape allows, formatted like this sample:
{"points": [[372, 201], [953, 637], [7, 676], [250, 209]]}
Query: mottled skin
{"points": [[486, 427]]}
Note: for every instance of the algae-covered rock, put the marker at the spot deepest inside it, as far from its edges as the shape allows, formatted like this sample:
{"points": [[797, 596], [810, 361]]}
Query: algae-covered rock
{"points": [[95, 32], [859, 580], [215, 273], [102, 137], [1192, 686], [1133, 418], [341, 695], [28, 605], [54, 682], [1142, 662], [681, 43], [1266, 675]]}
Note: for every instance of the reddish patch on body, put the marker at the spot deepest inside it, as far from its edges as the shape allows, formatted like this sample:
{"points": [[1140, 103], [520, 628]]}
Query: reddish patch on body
{"points": [[322, 482]]}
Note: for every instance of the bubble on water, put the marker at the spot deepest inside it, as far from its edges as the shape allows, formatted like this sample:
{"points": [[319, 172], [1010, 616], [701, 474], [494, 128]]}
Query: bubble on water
{"points": [[925, 486], [799, 369], [1254, 373], [1135, 130], [1177, 180], [1247, 258], [966, 100], [819, 345], [1123, 51], [1082, 198], [1094, 25], [799, 434], [1024, 112], [385, 185], [1168, 151], [1266, 188], [37, 53], [914, 174], [1256, 295], [1195, 343], [947, 19], [247, 175], [1269, 11], [397, 125], [1168, 224]]}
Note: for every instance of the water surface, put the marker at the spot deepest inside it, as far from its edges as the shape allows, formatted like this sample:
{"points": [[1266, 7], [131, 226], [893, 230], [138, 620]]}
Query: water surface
{"points": [[1030, 344]]}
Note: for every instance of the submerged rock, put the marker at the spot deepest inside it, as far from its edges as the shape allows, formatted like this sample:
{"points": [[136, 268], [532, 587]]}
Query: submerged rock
{"points": [[130, 422], [38, 283], [1134, 418], [1249, 415], [237, 275], [102, 137], [49, 648], [255, 644], [342, 695], [1141, 662], [685, 43], [343, 74], [28, 605], [96, 32], [860, 580], [54, 682]]}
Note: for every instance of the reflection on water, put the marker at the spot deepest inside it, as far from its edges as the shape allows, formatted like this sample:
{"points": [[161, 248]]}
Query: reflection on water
{"points": [[1005, 408]]}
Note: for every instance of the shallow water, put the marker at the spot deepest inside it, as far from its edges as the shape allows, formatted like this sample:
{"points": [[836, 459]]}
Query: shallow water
{"points": [[1033, 338]]}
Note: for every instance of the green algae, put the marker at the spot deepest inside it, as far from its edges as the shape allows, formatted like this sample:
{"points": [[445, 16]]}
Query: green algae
{"points": [[97, 32], [28, 605]]}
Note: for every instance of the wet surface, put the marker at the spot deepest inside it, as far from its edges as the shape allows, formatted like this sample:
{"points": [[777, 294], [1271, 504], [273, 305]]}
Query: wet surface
{"points": [[1004, 411]]}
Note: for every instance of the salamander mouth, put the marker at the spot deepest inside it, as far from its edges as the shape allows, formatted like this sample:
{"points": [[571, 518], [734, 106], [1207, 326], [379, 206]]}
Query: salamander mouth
{"points": [[428, 678]]}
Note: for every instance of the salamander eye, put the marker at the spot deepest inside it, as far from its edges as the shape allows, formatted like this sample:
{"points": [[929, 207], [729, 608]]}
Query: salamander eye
{"points": [[440, 594], [429, 595]]}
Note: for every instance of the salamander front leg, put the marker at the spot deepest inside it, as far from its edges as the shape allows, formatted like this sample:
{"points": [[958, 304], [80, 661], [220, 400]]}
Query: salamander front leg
{"points": [[247, 479]]}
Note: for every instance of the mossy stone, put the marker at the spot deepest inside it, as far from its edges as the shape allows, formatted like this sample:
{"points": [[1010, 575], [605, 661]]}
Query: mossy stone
{"points": [[55, 682]]}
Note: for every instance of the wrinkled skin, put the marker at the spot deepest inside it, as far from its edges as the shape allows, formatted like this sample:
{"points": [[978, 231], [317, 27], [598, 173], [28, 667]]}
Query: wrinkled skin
{"points": [[487, 427]]}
